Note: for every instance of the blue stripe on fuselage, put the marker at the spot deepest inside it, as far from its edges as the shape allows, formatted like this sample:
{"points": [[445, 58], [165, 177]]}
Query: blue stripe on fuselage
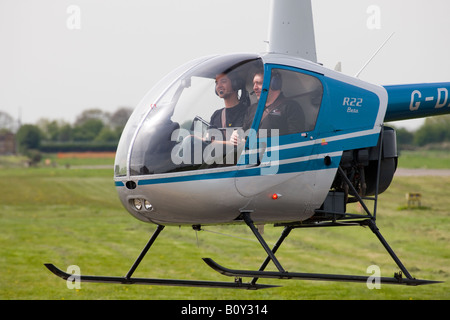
{"points": [[297, 150]]}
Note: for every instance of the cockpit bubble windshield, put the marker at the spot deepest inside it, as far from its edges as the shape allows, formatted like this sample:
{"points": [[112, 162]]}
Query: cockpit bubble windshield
{"points": [[187, 120]]}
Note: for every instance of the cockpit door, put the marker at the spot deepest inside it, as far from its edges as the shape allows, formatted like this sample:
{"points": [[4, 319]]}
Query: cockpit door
{"points": [[280, 141]]}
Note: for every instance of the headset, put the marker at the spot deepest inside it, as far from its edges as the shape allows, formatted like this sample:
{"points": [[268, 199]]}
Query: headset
{"points": [[237, 83], [276, 82]]}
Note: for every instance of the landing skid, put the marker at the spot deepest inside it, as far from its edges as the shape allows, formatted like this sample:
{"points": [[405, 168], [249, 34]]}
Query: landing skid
{"points": [[397, 279], [128, 279], [157, 282]]}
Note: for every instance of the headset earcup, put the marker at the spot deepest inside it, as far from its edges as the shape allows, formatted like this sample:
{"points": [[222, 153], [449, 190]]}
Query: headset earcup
{"points": [[237, 84], [275, 82]]}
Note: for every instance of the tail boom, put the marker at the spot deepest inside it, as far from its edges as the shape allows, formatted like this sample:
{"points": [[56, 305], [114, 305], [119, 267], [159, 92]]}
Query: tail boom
{"points": [[413, 101]]}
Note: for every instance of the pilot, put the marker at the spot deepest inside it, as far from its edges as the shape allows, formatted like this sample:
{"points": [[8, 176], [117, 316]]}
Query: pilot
{"points": [[257, 84], [232, 115], [280, 113], [248, 117]]}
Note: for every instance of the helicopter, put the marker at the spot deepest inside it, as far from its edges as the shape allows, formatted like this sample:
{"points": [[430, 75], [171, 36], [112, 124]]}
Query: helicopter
{"points": [[325, 146]]}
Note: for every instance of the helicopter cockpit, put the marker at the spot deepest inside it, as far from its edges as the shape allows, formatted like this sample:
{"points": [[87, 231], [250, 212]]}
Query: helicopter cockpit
{"points": [[172, 128]]}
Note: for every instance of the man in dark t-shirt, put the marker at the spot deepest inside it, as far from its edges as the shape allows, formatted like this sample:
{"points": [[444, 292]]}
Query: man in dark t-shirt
{"points": [[232, 115]]}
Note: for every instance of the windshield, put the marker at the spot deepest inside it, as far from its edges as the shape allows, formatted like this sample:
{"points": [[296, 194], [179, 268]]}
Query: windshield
{"points": [[185, 121]]}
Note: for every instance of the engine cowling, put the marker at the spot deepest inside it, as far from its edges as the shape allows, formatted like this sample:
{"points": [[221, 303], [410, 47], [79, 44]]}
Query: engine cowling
{"points": [[361, 167]]}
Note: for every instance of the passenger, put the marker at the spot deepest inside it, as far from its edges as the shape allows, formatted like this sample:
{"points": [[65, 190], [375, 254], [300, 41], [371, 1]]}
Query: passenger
{"points": [[232, 115], [216, 148]]}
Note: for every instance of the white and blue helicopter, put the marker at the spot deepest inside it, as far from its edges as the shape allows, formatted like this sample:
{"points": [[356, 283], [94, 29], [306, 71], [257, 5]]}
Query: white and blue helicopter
{"points": [[308, 141]]}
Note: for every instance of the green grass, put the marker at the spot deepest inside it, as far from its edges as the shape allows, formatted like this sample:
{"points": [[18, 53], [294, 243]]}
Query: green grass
{"points": [[76, 161], [73, 217], [425, 159]]}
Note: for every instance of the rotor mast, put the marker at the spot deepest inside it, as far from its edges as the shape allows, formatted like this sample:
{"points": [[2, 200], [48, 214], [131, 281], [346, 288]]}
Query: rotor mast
{"points": [[291, 29]]}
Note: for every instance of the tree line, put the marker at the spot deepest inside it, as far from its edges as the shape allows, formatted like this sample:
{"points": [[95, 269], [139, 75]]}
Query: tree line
{"points": [[93, 130], [435, 130]]}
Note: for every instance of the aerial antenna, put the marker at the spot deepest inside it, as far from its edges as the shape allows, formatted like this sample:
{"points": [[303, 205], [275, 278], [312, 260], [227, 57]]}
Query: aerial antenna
{"points": [[19, 119], [373, 56]]}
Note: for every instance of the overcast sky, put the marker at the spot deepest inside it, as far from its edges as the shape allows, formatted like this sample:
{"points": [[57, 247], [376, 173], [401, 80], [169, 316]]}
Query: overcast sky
{"points": [[60, 57]]}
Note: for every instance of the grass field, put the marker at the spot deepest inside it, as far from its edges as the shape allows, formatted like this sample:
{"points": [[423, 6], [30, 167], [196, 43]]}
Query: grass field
{"points": [[425, 159], [73, 217]]}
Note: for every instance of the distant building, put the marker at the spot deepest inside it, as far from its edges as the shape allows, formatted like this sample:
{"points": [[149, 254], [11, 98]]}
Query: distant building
{"points": [[7, 143]]}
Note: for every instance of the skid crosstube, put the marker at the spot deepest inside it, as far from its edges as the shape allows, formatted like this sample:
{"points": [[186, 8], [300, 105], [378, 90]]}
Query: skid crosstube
{"points": [[311, 276], [160, 282]]}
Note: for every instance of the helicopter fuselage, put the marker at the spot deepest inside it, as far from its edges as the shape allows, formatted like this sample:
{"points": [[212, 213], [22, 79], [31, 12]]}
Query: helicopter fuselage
{"points": [[293, 173]]}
